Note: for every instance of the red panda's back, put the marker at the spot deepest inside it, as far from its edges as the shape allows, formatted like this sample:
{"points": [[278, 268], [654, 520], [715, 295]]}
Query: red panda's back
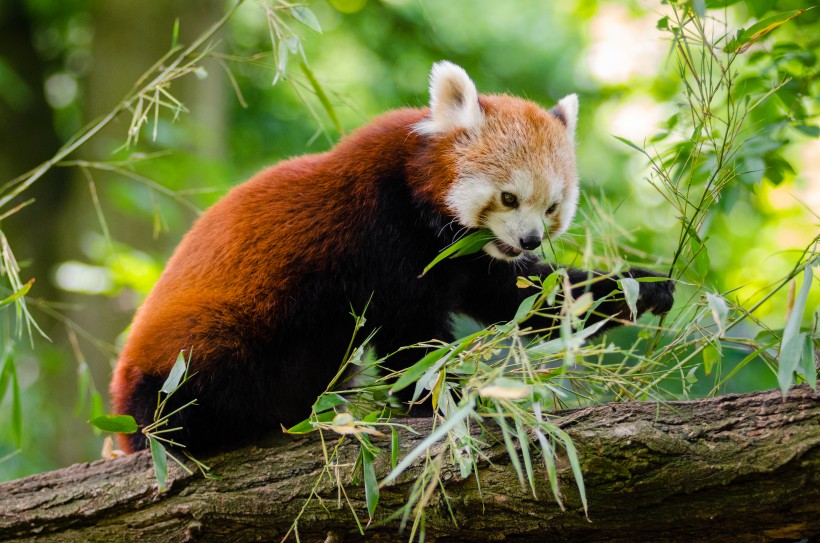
{"points": [[231, 277]]}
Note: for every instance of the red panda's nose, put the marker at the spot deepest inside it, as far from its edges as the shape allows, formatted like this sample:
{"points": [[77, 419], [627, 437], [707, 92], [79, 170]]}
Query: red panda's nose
{"points": [[530, 242]]}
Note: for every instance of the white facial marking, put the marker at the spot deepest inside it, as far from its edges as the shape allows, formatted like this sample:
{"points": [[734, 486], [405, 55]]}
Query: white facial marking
{"points": [[468, 197]]}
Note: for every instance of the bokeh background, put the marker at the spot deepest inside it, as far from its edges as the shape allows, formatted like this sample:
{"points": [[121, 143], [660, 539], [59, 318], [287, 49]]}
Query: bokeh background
{"points": [[95, 240]]}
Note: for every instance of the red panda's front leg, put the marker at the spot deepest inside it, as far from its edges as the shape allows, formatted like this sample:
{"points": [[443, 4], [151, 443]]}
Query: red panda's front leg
{"points": [[493, 295], [655, 296]]}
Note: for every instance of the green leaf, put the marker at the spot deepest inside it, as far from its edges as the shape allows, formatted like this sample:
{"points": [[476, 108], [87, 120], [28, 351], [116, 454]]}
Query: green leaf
{"points": [[720, 312], [627, 142], [16, 411], [524, 440], [6, 368], [711, 356], [306, 425], [371, 484], [175, 34], [790, 357], [810, 130], [525, 307], [159, 456], [508, 443], [746, 38], [631, 290], [555, 346], [294, 44], [394, 448], [548, 454], [96, 404], [651, 279], [121, 424], [322, 96], [458, 417], [691, 378], [809, 366], [700, 257], [791, 346], [575, 464], [281, 60], [17, 295], [327, 401], [304, 15], [469, 244], [663, 23], [175, 376], [414, 372]]}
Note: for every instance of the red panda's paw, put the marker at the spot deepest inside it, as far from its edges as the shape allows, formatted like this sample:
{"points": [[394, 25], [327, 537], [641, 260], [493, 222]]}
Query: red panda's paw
{"points": [[655, 296]]}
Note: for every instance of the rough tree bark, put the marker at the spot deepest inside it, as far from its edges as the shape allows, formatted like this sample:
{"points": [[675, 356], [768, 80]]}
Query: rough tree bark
{"points": [[733, 468]]}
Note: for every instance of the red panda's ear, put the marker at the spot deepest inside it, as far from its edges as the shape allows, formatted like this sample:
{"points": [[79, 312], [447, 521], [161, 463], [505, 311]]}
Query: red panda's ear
{"points": [[567, 113], [453, 101]]}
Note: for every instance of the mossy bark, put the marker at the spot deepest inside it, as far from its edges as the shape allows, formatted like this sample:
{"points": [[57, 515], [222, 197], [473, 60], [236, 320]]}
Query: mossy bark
{"points": [[733, 468]]}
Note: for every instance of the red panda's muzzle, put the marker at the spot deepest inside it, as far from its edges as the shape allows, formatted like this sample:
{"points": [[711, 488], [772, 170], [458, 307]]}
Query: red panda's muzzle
{"points": [[508, 250]]}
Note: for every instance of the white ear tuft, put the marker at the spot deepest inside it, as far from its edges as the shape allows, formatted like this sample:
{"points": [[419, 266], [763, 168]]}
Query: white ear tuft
{"points": [[453, 101], [567, 112]]}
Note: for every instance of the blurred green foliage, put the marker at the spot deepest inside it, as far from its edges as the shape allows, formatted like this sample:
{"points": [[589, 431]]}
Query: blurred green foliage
{"points": [[372, 56]]}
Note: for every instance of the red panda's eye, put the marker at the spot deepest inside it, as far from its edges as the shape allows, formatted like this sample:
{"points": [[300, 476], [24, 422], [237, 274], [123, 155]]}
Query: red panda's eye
{"points": [[509, 200], [551, 209]]}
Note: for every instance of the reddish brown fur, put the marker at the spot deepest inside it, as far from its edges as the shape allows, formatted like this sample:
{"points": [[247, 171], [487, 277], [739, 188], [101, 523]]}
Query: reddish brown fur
{"points": [[263, 246]]}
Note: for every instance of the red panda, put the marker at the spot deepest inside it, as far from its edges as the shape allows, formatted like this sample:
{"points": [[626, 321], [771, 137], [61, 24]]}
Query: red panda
{"points": [[260, 290]]}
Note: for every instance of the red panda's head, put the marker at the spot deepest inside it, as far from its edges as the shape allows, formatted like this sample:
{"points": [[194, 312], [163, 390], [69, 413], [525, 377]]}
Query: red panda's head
{"points": [[513, 162]]}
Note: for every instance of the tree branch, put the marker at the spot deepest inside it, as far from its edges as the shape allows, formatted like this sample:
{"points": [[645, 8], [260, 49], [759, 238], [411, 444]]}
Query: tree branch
{"points": [[733, 468]]}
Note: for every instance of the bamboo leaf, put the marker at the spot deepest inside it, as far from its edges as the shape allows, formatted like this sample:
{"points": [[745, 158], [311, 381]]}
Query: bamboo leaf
{"points": [[175, 375], [809, 366], [524, 440], [631, 290], [175, 34], [555, 346], [469, 244], [308, 425], [711, 356], [548, 453], [327, 401], [414, 372], [16, 411], [720, 311], [281, 61], [6, 367], [17, 295], [506, 389], [651, 279], [575, 464], [121, 424], [322, 96], [525, 307], [394, 448], [746, 38], [458, 417], [508, 443], [159, 456], [791, 346], [304, 15], [629, 143], [371, 484]]}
